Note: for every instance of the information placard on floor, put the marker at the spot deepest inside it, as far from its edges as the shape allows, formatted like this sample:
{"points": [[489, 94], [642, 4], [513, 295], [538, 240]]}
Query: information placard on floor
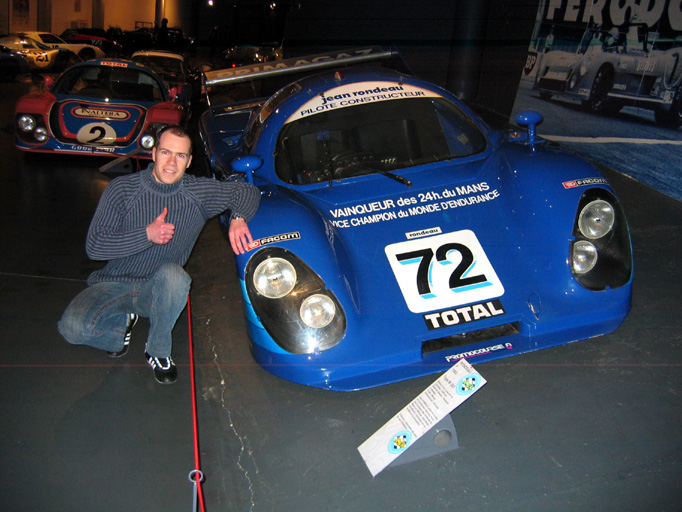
{"points": [[420, 415]]}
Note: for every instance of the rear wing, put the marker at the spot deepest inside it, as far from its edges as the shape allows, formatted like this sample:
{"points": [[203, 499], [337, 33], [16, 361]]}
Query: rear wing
{"points": [[256, 81]]}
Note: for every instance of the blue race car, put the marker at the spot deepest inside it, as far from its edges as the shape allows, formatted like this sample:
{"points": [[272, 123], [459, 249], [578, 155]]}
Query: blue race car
{"points": [[398, 233], [99, 107]]}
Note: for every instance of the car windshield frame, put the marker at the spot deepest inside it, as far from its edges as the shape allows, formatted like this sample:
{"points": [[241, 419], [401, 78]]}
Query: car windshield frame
{"points": [[117, 83], [164, 66], [378, 137]]}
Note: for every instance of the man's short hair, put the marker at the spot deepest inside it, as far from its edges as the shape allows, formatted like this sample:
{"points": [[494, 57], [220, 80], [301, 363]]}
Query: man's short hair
{"points": [[176, 130]]}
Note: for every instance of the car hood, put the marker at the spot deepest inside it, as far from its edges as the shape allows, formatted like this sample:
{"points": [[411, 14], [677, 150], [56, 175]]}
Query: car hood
{"points": [[93, 122], [374, 223]]}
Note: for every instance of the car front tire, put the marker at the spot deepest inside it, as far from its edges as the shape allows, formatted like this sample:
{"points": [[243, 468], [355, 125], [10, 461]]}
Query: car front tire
{"points": [[671, 118]]}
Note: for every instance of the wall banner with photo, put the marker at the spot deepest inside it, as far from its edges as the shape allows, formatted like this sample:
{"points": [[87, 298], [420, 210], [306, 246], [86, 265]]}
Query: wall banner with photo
{"points": [[607, 77], [20, 14]]}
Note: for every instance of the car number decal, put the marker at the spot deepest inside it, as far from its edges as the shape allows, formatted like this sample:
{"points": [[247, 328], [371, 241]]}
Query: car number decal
{"points": [[42, 60], [443, 271], [96, 133]]}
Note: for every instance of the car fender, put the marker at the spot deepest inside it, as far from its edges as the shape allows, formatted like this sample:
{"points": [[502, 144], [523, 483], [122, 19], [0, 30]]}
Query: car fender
{"points": [[35, 103], [302, 230], [167, 112], [545, 184]]}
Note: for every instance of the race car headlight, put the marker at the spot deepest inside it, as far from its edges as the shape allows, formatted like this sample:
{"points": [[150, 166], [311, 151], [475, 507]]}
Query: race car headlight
{"points": [[147, 141], [596, 219], [26, 123], [317, 311], [274, 278], [292, 302], [31, 128], [40, 134], [584, 256], [601, 252]]}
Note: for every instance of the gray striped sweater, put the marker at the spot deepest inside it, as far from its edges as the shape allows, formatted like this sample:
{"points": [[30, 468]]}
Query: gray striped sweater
{"points": [[118, 231]]}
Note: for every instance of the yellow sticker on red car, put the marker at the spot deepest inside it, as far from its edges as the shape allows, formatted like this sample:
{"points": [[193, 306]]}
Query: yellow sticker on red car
{"points": [[96, 134]]}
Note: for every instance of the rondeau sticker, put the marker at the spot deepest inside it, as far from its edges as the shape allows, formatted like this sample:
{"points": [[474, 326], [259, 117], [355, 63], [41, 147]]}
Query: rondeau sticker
{"points": [[357, 94]]}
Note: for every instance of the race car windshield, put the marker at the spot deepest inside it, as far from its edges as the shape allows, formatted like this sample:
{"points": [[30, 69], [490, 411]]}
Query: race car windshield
{"points": [[101, 82], [168, 68], [372, 138]]}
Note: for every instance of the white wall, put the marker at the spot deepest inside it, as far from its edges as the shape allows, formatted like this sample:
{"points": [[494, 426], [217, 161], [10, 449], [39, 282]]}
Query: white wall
{"points": [[65, 12], [121, 13], [124, 13]]}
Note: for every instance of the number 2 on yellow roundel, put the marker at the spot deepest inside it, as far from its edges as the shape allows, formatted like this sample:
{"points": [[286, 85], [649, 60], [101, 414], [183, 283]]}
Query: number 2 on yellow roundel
{"points": [[96, 134]]}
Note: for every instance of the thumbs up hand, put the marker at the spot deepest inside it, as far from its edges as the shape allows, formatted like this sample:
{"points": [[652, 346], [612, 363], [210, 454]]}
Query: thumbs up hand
{"points": [[159, 231]]}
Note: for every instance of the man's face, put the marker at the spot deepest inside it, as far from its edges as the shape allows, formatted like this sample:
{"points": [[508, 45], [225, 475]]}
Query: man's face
{"points": [[171, 158]]}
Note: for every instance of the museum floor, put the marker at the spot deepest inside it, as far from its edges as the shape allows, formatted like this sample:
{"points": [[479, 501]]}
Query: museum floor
{"points": [[592, 425]]}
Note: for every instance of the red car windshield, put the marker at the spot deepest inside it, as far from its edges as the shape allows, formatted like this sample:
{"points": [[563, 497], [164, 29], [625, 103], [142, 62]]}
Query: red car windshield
{"points": [[101, 82]]}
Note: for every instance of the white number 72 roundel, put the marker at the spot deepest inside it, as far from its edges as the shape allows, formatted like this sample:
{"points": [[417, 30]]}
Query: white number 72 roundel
{"points": [[443, 271]]}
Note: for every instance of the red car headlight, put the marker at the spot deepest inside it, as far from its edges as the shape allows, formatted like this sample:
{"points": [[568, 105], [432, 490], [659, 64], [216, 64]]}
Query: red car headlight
{"points": [[31, 128]]}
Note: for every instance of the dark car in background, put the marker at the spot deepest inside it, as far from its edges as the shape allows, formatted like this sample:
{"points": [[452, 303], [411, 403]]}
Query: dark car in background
{"points": [[245, 54], [175, 70], [12, 64], [95, 37]]}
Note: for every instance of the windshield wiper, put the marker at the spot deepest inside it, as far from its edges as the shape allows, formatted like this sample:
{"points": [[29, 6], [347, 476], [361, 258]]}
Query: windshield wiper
{"points": [[373, 168], [324, 137], [399, 179]]}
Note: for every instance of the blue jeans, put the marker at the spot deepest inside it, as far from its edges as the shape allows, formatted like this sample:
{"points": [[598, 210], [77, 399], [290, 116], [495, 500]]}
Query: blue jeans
{"points": [[98, 315]]}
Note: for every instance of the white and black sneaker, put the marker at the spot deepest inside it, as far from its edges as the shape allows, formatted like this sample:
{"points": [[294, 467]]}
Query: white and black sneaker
{"points": [[132, 320], [165, 371]]}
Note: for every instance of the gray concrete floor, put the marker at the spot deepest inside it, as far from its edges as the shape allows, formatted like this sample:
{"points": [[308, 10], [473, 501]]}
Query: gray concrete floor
{"points": [[593, 425]]}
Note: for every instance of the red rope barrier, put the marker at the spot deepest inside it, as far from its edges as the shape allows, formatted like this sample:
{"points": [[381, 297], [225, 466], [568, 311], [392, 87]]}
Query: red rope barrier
{"points": [[195, 476]]}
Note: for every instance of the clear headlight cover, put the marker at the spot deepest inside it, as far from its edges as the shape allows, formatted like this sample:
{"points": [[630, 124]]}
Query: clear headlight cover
{"points": [[274, 278], [585, 256], [147, 141], [40, 134], [596, 219], [292, 302], [600, 254], [317, 311], [26, 123]]}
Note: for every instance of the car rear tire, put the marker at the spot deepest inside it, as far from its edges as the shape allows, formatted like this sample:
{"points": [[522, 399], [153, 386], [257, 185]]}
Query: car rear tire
{"points": [[86, 54]]}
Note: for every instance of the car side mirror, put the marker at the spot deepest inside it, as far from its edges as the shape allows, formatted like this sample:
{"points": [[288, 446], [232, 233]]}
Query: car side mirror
{"points": [[173, 93], [530, 119], [48, 82], [247, 165]]}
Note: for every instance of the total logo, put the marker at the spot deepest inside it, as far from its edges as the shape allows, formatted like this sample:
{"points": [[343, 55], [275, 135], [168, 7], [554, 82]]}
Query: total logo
{"points": [[464, 314]]}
